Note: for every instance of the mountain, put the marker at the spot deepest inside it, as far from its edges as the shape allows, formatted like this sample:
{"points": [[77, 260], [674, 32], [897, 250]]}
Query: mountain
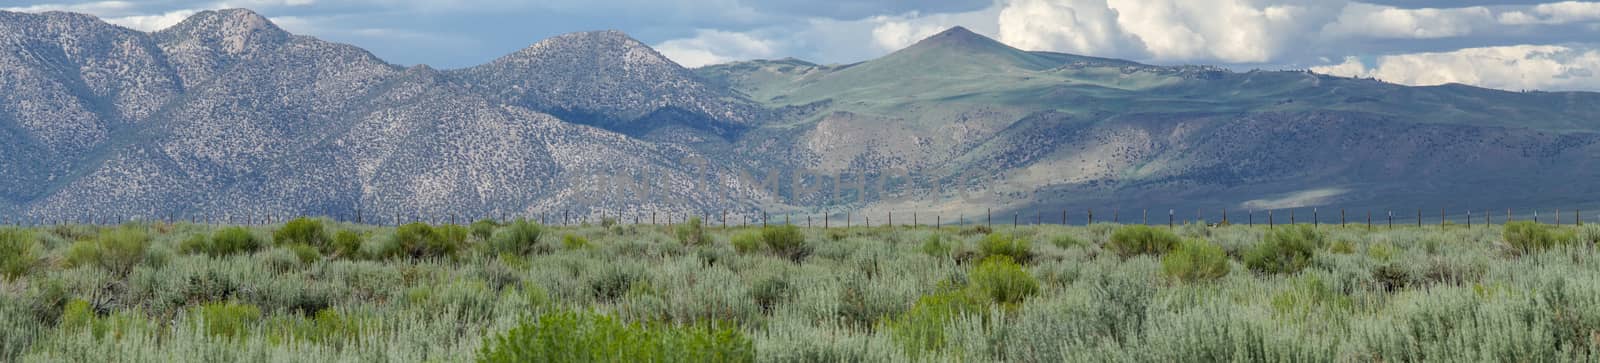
{"points": [[254, 121], [612, 81], [227, 115]]}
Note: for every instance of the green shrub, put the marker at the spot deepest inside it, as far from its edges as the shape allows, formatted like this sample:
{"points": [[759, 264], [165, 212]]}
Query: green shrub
{"points": [[934, 246], [692, 232], [1018, 249], [591, 337], [224, 242], [454, 234], [613, 282], [19, 252], [1196, 260], [786, 241], [303, 231], [116, 251], [1003, 281], [305, 253], [1342, 247], [1066, 241], [419, 240], [769, 292], [230, 320], [484, 229], [1285, 249], [347, 244], [1528, 237], [1134, 240], [520, 238], [746, 242], [574, 242], [923, 328]]}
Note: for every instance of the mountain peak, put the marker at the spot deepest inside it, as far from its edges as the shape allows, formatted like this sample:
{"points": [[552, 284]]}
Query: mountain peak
{"points": [[231, 21], [233, 31], [959, 37]]}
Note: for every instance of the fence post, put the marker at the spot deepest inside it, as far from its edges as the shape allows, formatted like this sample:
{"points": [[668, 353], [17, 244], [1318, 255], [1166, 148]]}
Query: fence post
{"points": [[1225, 216], [1341, 218], [988, 218], [1419, 217], [1170, 216], [1316, 218], [891, 219], [1270, 223], [1091, 215], [1063, 217], [1558, 217], [1291, 216], [1014, 217], [1441, 218], [763, 219], [1144, 217]]}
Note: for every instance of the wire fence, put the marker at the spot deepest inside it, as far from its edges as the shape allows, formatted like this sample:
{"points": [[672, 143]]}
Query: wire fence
{"points": [[1369, 218]]}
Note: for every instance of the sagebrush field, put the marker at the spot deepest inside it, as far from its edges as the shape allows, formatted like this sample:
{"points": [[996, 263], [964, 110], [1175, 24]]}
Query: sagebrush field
{"points": [[317, 291]]}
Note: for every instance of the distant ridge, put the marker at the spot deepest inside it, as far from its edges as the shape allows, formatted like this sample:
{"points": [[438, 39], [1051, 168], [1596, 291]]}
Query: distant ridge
{"points": [[226, 114]]}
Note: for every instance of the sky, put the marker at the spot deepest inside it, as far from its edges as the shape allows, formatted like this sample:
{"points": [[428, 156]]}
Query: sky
{"points": [[1510, 44]]}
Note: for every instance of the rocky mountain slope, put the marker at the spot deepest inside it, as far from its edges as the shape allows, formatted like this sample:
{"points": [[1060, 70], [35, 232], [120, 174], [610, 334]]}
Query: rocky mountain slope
{"points": [[227, 115]]}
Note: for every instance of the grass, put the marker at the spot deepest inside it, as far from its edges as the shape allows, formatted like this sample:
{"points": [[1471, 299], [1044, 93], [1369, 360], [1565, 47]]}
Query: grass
{"points": [[524, 292]]}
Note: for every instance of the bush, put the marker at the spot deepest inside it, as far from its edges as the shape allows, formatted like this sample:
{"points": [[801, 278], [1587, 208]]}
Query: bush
{"points": [[1196, 260], [305, 253], [19, 252], [591, 337], [1067, 241], [347, 244], [923, 327], [746, 242], [520, 238], [934, 246], [1528, 237], [1134, 240], [303, 231], [1004, 244], [419, 240], [769, 292], [224, 242], [786, 241], [116, 251], [1003, 281], [692, 233], [1286, 249], [574, 242], [230, 320], [484, 229]]}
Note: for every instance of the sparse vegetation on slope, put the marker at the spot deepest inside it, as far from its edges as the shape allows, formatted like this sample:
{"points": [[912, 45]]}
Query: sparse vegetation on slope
{"points": [[784, 293]]}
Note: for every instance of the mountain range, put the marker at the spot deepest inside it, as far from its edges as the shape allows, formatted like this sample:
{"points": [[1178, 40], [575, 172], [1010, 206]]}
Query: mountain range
{"points": [[225, 114]]}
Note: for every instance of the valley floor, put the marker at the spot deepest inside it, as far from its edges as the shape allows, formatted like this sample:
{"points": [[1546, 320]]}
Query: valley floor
{"points": [[315, 291]]}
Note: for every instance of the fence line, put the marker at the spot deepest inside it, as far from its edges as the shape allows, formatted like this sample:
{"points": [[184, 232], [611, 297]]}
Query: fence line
{"points": [[1367, 218]]}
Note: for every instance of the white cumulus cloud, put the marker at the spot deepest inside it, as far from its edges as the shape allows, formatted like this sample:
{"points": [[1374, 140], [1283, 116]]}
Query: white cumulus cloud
{"points": [[1375, 21], [1554, 13], [1520, 67], [713, 46]]}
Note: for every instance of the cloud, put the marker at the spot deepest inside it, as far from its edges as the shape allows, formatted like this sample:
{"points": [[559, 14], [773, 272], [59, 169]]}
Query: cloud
{"points": [[1519, 67], [713, 46], [1554, 13], [1375, 21], [1077, 26], [152, 22], [98, 7]]}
